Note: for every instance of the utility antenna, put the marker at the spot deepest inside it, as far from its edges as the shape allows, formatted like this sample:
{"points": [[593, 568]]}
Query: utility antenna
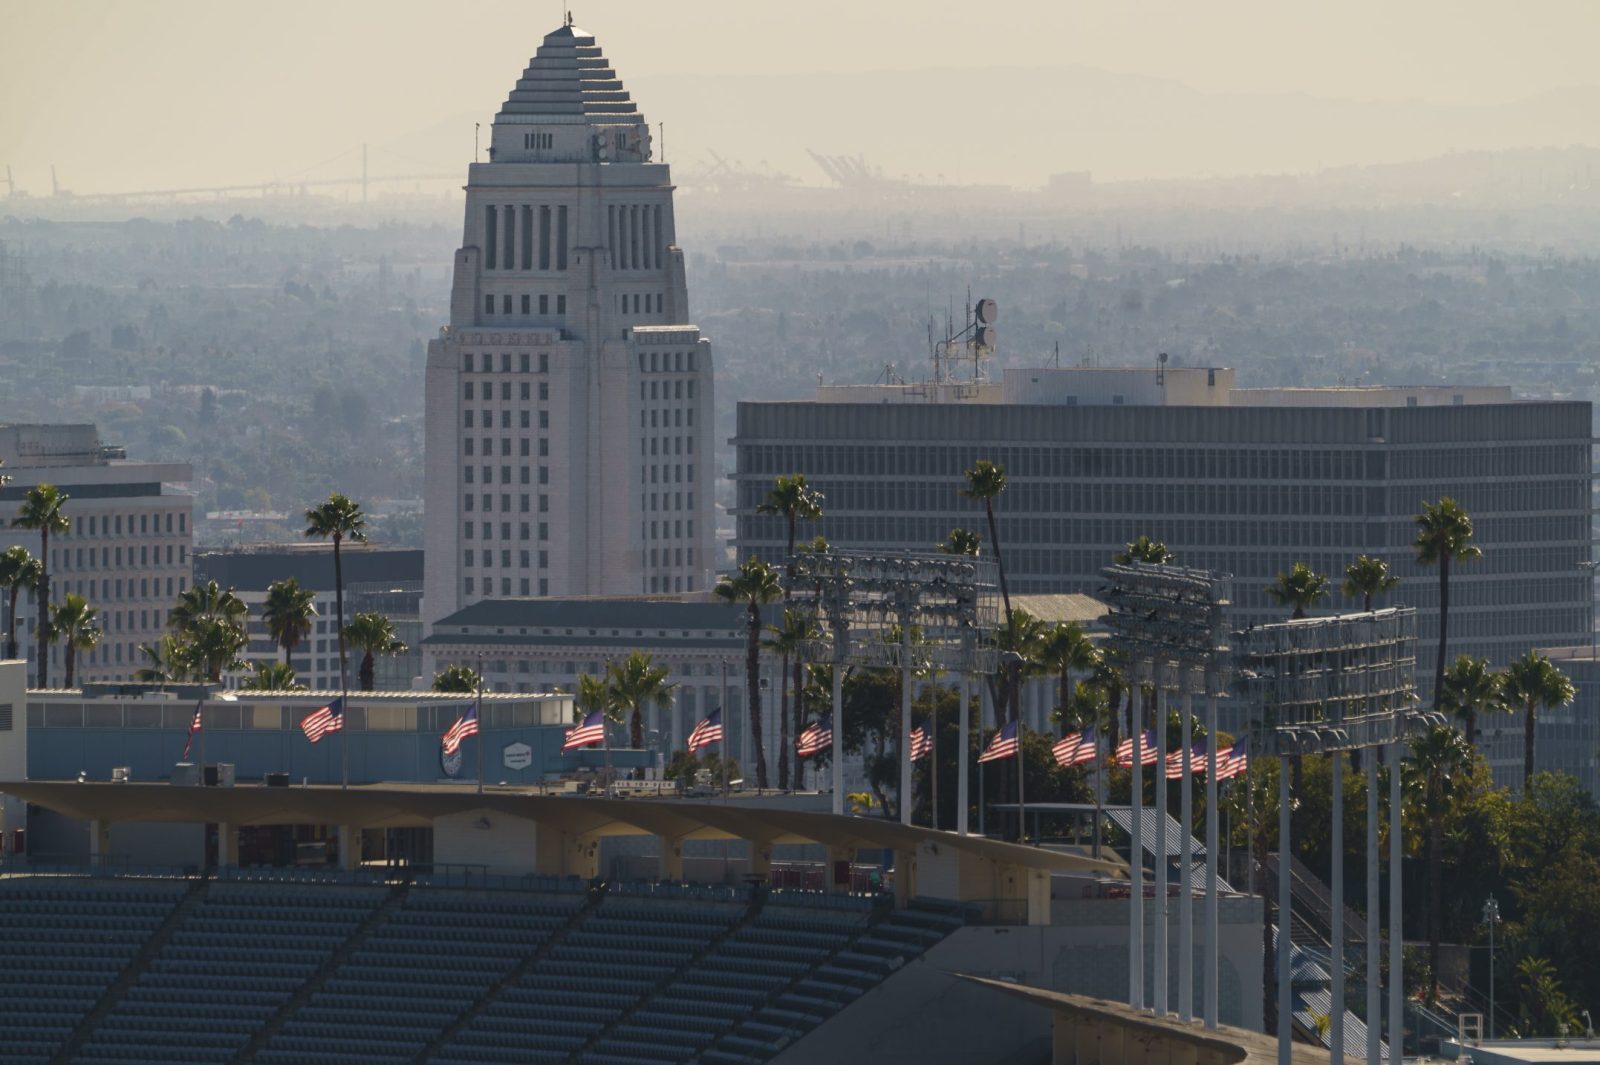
{"points": [[476, 126]]}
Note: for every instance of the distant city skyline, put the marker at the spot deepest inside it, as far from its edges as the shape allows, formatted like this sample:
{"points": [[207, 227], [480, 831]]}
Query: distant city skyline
{"points": [[178, 92]]}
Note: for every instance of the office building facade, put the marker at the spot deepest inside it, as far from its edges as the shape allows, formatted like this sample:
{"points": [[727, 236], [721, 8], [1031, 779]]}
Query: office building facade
{"points": [[568, 401]]}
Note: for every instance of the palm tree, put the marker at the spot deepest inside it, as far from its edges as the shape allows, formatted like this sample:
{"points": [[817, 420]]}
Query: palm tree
{"points": [[961, 542], [637, 680], [1020, 641], [1532, 682], [1444, 534], [76, 623], [1471, 689], [1144, 549], [339, 519], [372, 634], [41, 510], [272, 677], [166, 661], [754, 584], [1063, 650], [208, 602], [18, 570], [794, 499], [456, 679], [211, 646], [1440, 759], [986, 481], [1301, 587], [287, 614], [595, 694], [788, 639], [1367, 577]]}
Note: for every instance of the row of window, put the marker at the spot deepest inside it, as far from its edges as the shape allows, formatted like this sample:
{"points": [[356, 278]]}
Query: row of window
{"points": [[653, 302], [505, 447], [673, 529], [75, 558], [668, 501], [672, 556], [505, 503], [635, 235], [672, 445], [668, 474], [523, 473], [521, 228], [524, 585], [527, 304], [113, 525], [669, 419], [487, 558], [111, 589], [524, 419], [487, 529], [485, 390], [524, 362], [538, 141], [665, 390], [666, 362]]}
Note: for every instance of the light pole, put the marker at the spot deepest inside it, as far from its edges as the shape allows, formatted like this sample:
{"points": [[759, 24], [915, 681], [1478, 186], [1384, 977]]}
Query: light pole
{"points": [[1491, 917], [1594, 634]]}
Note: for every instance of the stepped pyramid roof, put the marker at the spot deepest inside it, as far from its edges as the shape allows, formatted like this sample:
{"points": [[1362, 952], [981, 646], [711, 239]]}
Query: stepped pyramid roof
{"points": [[568, 78]]}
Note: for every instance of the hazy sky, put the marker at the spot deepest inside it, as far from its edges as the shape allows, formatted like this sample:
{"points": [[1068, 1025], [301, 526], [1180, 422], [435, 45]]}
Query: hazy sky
{"points": [[160, 93]]}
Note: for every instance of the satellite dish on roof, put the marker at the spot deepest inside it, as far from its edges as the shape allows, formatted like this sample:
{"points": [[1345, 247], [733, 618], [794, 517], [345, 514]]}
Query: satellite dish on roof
{"points": [[986, 337], [986, 312]]}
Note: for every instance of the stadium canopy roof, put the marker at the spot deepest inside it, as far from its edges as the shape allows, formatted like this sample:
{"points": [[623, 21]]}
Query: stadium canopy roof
{"points": [[400, 806]]}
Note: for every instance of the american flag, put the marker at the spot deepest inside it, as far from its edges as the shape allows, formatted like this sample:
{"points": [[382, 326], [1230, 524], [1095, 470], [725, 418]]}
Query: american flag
{"points": [[1076, 749], [466, 725], [1003, 745], [921, 743], [1147, 751], [1197, 761], [817, 737], [590, 730], [707, 732], [1236, 761], [194, 726], [324, 720]]}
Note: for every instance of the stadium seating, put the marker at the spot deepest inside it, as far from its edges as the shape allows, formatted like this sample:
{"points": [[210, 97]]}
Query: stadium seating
{"points": [[278, 969]]}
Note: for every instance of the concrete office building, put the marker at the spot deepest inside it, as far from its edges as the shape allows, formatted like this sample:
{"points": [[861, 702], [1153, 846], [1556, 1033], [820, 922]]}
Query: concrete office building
{"points": [[380, 580], [1248, 481], [568, 401], [127, 552]]}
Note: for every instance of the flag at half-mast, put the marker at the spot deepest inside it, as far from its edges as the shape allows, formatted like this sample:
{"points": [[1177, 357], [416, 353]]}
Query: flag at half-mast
{"points": [[590, 731], [1147, 752], [921, 742], [466, 725], [817, 737], [1003, 745], [323, 720], [707, 732], [1077, 748], [194, 726]]}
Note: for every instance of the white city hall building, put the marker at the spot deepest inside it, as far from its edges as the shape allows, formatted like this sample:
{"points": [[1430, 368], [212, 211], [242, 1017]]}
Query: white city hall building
{"points": [[568, 401]]}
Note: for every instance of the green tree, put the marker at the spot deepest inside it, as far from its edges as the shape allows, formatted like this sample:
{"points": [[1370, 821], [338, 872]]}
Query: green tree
{"points": [[74, 622], [207, 602], [1064, 650], [456, 680], [338, 519], [635, 682], [1546, 1008], [372, 634], [754, 584], [792, 498], [1444, 535], [1533, 682], [272, 677], [961, 542], [1440, 761], [1472, 689], [986, 481], [1298, 589], [1144, 549], [42, 510], [1367, 577], [18, 570], [287, 613], [211, 646], [163, 662], [788, 639], [595, 694]]}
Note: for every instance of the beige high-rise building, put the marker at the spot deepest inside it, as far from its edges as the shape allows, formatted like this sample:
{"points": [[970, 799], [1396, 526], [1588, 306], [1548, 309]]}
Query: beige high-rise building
{"points": [[568, 401]]}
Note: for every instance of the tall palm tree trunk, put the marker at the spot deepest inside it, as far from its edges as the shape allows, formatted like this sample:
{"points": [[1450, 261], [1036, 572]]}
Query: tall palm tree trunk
{"points": [[752, 669], [783, 727], [1444, 626], [11, 628], [1529, 714], [44, 608], [1435, 903], [799, 763], [338, 602], [71, 661]]}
